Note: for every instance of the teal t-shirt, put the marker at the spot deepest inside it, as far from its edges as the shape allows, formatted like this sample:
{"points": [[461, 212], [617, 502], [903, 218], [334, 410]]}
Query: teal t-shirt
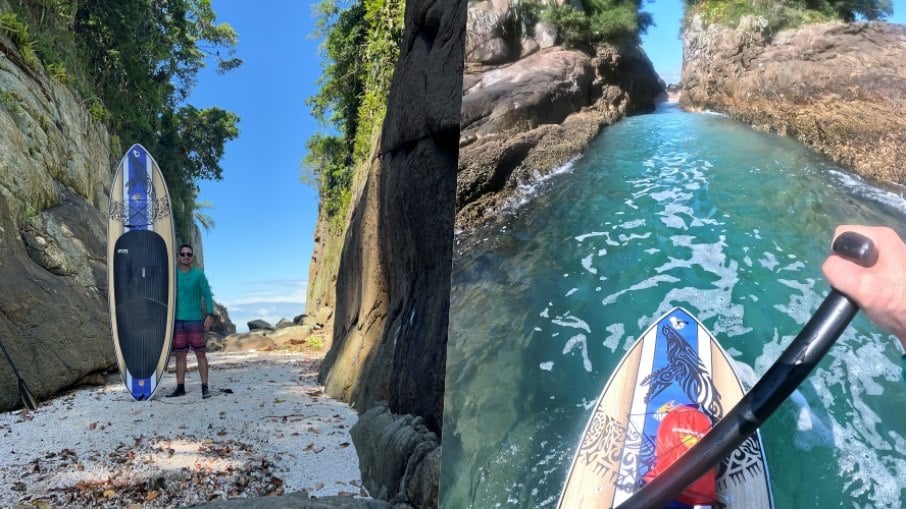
{"points": [[191, 287]]}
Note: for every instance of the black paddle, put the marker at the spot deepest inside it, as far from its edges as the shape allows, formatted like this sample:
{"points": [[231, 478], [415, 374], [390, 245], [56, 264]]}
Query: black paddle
{"points": [[793, 366], [27, 399]]}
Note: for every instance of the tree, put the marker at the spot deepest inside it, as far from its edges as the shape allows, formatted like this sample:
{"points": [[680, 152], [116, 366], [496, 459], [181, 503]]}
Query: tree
{"points": [[144, 56], [360, 49], [851, 10]]}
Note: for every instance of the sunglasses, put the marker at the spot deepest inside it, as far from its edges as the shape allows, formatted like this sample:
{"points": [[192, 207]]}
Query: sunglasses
{"points": [[186, 254]]}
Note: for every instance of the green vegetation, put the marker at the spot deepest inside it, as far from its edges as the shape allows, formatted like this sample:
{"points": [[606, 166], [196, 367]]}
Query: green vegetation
{"points": [[315, 341], [360, 50], [602, 21], [18, 32], [779, 15], [134, 63], [10, 102]]}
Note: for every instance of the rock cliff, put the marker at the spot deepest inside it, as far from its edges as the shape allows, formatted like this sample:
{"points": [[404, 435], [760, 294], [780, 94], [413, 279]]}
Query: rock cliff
{"points": [[388, 277], [530, 106], [55, 171], [838, 88]]}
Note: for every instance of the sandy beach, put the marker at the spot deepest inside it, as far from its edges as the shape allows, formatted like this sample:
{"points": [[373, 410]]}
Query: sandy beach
{"points": [[267, 430]]}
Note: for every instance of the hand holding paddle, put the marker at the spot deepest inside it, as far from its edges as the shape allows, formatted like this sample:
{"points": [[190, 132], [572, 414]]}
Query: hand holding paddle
{"points": [[793, 366], [878, 288]]}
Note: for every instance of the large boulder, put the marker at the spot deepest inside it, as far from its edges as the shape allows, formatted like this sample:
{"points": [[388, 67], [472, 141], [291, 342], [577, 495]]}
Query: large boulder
{"points": [[522, 120], [839, 88], [485, 36], [400, 457], [222, 324]]}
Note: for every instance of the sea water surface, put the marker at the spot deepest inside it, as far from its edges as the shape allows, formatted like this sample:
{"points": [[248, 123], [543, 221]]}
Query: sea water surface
{"points": [[668, 209]]}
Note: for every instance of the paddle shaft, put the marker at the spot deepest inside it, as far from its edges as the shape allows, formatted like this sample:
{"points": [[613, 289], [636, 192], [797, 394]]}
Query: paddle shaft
{"points": [[793, 366], [27, 399], [10, 361]]}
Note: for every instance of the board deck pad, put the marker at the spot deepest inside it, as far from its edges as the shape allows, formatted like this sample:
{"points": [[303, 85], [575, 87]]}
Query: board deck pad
{"points": [[675, 363], [141, 272]]}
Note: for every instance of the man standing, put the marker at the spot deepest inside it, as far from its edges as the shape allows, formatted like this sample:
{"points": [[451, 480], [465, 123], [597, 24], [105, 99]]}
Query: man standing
{"points": [[194, 316]]}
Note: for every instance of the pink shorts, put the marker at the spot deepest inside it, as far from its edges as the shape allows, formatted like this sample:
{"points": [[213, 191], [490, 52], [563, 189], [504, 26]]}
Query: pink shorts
{"points": [[189, 334]]}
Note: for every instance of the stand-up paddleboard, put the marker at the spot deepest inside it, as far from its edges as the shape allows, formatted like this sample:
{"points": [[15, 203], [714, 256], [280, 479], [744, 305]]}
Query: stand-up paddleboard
{"points": [[141, 273], [668, 390]]}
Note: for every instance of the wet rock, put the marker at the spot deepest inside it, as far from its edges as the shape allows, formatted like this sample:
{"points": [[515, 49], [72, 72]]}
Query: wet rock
{"points": [[839, 88]]}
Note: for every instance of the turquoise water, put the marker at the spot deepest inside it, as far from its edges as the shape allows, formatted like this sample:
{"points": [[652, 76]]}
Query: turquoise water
{"points": [[669, 209]]}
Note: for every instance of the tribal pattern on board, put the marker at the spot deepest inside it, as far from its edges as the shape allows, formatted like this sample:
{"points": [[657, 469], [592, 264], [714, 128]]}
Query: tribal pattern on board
{"points": [[603, 447], [742, 465], [685, 368], [126, 212]]}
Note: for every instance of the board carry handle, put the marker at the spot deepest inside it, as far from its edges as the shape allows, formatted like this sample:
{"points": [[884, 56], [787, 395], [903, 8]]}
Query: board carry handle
{"points": [[794, 365]]}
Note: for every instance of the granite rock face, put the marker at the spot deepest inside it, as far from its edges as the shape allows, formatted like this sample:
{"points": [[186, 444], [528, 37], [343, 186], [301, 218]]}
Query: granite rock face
{"points": [[523, 119], [838, 88], [391, 287], [55, 172]]}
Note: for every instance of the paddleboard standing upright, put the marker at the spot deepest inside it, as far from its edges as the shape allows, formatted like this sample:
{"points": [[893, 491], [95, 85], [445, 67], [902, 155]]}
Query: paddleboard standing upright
{"points": [[141, 271], [672, 385]]}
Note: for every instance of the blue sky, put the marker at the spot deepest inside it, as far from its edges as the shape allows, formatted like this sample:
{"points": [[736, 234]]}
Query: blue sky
{"points": [[258, 253]]}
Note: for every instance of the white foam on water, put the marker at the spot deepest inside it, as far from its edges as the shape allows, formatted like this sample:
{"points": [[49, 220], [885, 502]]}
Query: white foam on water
{"points": [[793, 267], [587, 264], [588, 235], [631, 225], [572, 291], [811, 432], [547, 366], [614, 334], [745, 372], [873, 464], [771, 351], [526, 189], [633, 236], [801, 305], [768, 260], [859, 187], [579, 341], [650, 282], [572, 321]]}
